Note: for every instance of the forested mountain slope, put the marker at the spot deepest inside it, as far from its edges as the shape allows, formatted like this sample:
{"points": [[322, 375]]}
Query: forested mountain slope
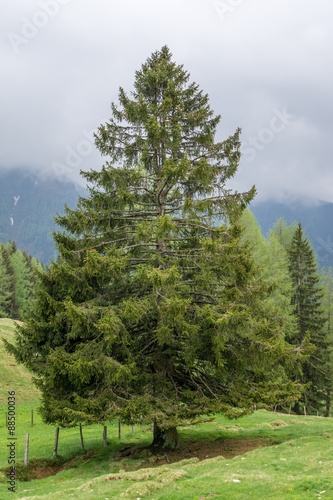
{"points": [[28, 203]]}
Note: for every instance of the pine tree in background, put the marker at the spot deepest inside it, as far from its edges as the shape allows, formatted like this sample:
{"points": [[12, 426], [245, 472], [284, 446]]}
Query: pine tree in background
{"points": [[8, 304], [307, 303], [272, 256], [278, 272], [17, 281], [328, 311], [273, 260], [283, 233], [252, 233], [152, 313], [24, 283]]}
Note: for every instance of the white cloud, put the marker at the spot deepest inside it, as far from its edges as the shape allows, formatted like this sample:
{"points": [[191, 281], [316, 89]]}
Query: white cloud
{"points": [[258, 57]]}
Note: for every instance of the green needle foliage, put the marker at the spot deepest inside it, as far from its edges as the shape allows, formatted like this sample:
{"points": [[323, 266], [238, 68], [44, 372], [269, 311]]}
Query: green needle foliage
{"points": [[17, 280], [308, 309], [327, 281], [152, 313], [272, 255], [8, 303]]}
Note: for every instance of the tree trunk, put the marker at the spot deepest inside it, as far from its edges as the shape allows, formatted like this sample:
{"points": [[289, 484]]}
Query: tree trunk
{"points": [[297, 409], [328, 403], [165, 439]]}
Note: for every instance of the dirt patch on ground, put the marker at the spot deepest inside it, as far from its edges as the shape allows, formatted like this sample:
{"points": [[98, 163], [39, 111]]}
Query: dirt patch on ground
{"points": [[40, 471], [228, 448], [41, 468]]}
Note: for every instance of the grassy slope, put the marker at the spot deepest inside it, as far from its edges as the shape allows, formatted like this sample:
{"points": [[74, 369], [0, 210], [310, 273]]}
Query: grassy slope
{"points": [[298, 466], [13, 377]]}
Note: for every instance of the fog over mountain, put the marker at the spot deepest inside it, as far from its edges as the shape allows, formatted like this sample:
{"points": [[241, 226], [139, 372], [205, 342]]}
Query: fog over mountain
{"points": [[266, 66], [28, 204]]}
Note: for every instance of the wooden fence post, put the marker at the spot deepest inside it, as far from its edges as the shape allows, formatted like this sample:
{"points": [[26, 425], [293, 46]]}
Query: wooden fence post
{"points": [[105, 440], [55, 449], [26, 449], [81, 437]]}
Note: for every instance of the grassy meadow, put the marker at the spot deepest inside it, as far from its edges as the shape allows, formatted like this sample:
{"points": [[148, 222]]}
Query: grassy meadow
{"points": [[295, 463], [13, 376]]}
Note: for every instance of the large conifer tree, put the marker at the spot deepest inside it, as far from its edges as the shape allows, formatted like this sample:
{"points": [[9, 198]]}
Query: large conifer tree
{"points": [[152, 313]]}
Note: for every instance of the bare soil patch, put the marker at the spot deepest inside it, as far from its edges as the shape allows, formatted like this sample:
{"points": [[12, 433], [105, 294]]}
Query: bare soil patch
{"points": [[41, 468], [228, 448]]}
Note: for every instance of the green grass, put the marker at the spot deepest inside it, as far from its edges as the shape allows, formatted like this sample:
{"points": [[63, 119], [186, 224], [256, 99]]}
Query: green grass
{"points": [[299, 465], [13, 376]]}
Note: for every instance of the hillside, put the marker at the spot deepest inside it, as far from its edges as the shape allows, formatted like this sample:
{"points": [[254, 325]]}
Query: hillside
{"points": [[12, 376]]}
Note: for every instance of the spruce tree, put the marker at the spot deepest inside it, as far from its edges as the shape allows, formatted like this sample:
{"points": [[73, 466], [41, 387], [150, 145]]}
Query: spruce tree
{"points": [[283, 233], [152, 313], [328, 329], [278, 272], [307, 304], [24, 283], [271, 255], [252, 233]]}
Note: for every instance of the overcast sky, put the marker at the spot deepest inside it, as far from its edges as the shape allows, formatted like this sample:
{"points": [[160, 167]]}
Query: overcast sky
{"points": [[265, 64]]}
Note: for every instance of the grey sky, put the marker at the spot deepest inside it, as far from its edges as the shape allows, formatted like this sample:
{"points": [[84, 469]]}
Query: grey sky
{"points": [[266, 66]]}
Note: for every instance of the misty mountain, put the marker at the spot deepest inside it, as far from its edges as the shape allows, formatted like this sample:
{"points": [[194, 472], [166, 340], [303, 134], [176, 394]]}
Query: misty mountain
{"points": [[317, 221], [28, 204]]}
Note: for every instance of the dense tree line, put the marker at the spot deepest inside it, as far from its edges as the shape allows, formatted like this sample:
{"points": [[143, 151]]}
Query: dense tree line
{"points": [[303, 296], [17, 280]]}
